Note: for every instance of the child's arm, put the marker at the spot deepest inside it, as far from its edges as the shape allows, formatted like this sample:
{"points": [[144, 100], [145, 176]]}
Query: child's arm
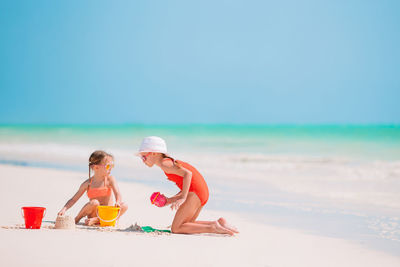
{"points": [[169, 167], [115, 188], [74, 199], [171, 200]]}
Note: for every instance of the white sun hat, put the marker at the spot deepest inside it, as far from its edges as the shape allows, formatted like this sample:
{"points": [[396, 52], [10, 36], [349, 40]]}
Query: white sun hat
{"points": [[153, 144]]}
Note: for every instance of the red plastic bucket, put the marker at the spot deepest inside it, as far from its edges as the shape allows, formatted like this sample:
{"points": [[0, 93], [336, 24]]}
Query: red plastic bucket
{"points": [[33, 217]]}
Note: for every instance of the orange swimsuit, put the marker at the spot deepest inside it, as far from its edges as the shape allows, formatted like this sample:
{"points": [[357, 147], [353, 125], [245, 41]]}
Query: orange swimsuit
{"points": [[104, 191], [198, 184]]}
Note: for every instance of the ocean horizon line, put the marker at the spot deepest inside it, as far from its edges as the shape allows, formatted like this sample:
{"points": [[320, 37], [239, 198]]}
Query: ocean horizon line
{"points": [[256, 125]]}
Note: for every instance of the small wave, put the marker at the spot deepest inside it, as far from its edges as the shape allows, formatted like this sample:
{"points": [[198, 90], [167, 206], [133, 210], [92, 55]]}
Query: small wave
{"points": [[14, 162], [386, 227], [288, 159]]}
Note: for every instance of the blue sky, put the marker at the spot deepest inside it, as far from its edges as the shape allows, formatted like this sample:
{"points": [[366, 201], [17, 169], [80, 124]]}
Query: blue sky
{"points": [[269, 62]]}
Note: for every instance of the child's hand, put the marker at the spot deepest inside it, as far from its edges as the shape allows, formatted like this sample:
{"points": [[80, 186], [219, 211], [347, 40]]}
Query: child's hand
{"points": [[62, 212], [117, 204], [175, 205]]}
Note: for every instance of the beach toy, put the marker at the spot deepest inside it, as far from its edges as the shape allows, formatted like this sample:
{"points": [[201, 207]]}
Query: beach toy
{"points": [[33, 216], [108, 215], [158, 199], [65, 222], [149, 229]]}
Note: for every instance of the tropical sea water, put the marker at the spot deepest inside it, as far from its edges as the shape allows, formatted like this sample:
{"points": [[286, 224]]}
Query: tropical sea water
{"points": [[340, 181]]}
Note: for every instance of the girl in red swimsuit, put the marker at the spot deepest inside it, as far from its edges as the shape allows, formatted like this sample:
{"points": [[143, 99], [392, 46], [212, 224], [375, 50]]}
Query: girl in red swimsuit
{"points": [[193, 193], [98, 188]]}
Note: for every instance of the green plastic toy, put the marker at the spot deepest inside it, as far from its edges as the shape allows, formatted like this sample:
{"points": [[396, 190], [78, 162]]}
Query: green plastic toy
{"points": [[149, 229]]}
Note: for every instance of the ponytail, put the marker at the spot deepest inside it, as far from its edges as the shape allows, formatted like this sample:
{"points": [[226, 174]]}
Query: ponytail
{"points": [[176, 163]]}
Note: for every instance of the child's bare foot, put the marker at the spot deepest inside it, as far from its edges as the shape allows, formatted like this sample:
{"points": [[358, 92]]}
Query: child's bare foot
{"points": [[226, 225], [221, 230], [92, 221]]}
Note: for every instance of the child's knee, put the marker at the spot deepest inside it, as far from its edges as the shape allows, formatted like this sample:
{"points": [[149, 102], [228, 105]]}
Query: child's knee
{"points": [[175, 228], [124, 206], [94, 202]]}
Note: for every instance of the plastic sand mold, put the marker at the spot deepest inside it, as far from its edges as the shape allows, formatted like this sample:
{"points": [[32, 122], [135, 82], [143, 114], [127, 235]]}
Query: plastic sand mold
{"points": [[33, 216], [149, 229], [108, 215], [158, 199]]}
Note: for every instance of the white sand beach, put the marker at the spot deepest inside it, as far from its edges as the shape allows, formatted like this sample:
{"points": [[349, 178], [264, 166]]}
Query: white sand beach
{"points": [[256, 245]]}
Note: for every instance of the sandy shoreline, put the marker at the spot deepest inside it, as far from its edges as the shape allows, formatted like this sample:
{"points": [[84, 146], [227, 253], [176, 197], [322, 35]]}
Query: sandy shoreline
{"points": [[256, 245]]}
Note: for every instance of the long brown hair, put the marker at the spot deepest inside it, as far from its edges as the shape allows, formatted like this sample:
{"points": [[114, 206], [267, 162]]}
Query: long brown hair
{"points": [[97, 157]]}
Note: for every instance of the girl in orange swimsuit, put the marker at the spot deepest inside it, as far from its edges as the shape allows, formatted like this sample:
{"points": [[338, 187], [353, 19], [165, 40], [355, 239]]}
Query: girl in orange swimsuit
{"points": [[98, 188], [193, 193]]}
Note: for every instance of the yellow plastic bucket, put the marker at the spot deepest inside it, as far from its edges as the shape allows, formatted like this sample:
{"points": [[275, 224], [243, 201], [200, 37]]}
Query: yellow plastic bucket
{"points": [[108, 215]]}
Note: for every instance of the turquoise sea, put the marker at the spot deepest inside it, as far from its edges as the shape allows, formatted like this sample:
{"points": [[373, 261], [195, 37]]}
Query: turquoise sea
{"points": [[335, 180], [379, 142]]}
